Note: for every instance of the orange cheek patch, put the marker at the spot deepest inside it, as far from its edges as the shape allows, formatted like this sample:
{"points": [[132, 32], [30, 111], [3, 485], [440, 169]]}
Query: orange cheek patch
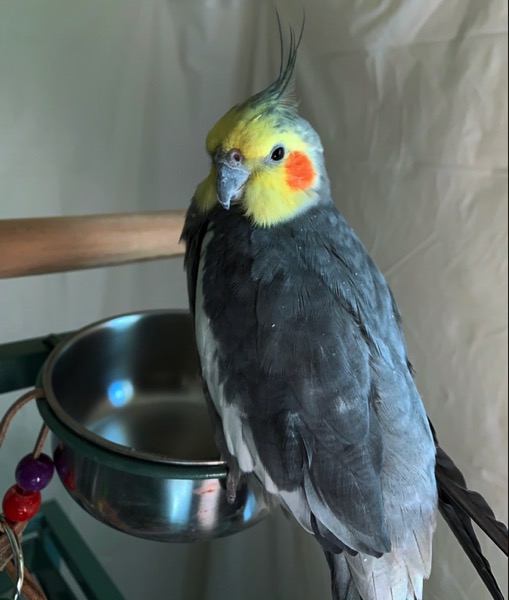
{"points": [[299, 171]]}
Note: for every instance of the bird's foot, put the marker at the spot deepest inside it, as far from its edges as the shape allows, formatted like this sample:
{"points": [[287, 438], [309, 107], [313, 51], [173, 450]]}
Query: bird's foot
{"points": [[233, 481]]}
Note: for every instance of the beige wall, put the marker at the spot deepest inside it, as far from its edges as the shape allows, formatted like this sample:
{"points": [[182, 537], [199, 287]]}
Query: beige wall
{"points": [[104, 106]]}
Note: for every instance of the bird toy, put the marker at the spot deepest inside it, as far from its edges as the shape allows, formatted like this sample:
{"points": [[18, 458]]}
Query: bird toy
{"points": [[20, 503]]}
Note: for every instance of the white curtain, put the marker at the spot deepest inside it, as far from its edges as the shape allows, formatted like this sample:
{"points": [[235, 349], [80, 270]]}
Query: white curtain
{"points": [[104, 107]]}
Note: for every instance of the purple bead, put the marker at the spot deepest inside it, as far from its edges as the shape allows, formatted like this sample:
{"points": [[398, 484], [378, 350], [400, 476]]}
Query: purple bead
{"points": [[34, 474]]}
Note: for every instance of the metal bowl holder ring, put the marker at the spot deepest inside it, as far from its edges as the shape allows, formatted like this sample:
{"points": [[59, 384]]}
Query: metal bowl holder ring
{"points": [[20, 503]]}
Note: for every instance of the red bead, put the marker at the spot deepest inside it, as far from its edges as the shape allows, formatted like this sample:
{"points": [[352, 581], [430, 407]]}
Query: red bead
{"points": [[20, 505], [68, 480]]}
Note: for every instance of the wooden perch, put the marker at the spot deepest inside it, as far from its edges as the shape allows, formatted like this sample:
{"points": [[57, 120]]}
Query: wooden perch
{"points": [[53, 244]]}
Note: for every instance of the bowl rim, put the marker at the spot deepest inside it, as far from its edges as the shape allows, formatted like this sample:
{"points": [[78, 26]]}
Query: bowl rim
{"points": [[131, 464], [92, 444]]}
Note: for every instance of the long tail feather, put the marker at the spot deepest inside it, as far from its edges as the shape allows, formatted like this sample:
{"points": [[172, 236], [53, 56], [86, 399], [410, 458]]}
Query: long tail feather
{"points": [[459, 506], [343, 586], [450, 478], [464, 533]]}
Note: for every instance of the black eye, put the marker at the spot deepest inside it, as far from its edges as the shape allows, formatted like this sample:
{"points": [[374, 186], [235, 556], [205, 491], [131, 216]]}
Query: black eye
{"points": [[278, 154]]}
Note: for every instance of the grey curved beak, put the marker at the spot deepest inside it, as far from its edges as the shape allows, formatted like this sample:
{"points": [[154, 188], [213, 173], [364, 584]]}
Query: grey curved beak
{"points": [[229, 181]]}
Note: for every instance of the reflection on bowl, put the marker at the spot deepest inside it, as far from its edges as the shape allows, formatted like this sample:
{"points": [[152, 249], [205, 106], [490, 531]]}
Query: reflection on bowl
{"points": [[132, 440]]}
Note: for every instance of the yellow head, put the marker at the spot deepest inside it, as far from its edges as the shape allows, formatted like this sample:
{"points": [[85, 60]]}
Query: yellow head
{"points": [[264, 156]]}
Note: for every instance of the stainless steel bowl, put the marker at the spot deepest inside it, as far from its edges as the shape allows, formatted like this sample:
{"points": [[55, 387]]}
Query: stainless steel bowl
{"points": [[131, 436]]}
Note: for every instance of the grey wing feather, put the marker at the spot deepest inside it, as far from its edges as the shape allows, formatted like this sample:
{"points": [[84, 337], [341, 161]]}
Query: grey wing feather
{"points": [[339, 358]]}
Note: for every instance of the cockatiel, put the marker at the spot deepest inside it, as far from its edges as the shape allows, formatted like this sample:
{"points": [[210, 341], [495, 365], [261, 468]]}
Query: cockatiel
{"points": [[304, 363]]}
